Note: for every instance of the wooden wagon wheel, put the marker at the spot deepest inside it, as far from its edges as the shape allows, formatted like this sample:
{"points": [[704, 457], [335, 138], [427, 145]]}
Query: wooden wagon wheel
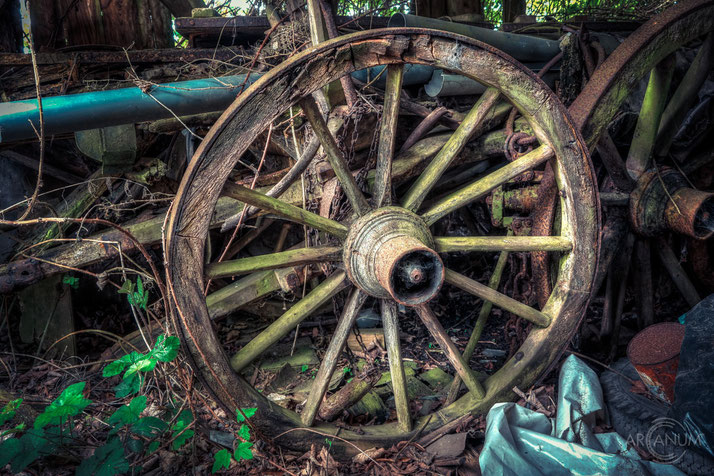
{"points": [[386, 250], [637, 180]]}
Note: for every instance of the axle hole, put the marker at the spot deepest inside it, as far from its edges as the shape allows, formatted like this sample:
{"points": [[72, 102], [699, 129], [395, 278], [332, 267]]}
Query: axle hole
{"points": [[704, 219], [417, 277]]}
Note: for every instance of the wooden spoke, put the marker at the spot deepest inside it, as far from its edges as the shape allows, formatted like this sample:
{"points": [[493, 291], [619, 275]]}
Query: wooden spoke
{"points": [[450, 350], [447, 244], [285, 210], [685, 96], [292, 317], [282, 259], [677, 273], [501, 300], [478, 327], [243, 291], [482, 186], [639, 156], [643, 282], [382, 193], [334, 156], [329, 362], [396, 367], [426, 181]]}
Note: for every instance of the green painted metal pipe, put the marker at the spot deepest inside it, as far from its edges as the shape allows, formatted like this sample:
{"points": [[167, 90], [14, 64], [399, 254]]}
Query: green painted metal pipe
{"points": [[77, 112], [524, 48]]}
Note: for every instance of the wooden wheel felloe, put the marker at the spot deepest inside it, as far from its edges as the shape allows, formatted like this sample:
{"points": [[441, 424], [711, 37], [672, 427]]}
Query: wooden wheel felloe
{"points": [[386, 250]]}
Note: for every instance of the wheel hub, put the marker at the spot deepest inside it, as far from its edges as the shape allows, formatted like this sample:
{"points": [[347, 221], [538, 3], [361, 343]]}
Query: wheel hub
{"points": [[389, 253], [663, 201]]}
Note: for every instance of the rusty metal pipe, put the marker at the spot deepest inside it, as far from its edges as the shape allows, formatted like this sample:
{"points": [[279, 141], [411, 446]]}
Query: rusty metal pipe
{"points": [[691, 213], [663, 201]]}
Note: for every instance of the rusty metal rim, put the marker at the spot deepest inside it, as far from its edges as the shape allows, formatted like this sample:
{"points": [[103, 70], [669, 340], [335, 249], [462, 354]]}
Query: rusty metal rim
{"points": [[189, 216]]}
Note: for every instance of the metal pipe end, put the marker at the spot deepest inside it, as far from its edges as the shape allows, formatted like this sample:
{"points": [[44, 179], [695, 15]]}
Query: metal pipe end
{"points": [[691, 212], [414, 276]]}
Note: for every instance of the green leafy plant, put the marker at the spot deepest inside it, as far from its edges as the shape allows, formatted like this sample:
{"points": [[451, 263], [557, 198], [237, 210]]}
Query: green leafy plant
{"points": [[71, 281], [136, 295], [130, 434], [222, 458], [180, 433], [50, 429], [132, 364], [8, 411], [69, 404]]}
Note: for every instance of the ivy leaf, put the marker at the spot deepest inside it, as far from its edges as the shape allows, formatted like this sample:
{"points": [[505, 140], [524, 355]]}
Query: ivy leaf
{"points": [[127, 287], [149, 427], [180, 434], [244, 432], [221, 460], [35, 444], [145, 364], [139, 298], [139, 286], [115, 368], [8, 411], [248, 412], [135, 445], [9, 449], [118, 366], [71, 280], [153, 446], [107, 460], [243, 451], [166, 348], [68, 404], [127, 414], [184, 419], [181, 439], [128, 386]]}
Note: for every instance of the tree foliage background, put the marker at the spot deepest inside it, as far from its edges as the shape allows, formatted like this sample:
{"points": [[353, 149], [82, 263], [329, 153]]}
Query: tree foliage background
{"points": [[558, 10]]}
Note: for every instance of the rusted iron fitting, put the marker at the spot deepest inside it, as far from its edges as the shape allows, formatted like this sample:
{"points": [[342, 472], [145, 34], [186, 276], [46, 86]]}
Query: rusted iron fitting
{"points": [[521, 200], [663, 201], [390, 253]]}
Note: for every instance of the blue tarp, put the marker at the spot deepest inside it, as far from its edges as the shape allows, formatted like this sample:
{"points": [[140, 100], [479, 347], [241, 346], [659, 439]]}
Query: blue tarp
{"points": [[521, 442]]}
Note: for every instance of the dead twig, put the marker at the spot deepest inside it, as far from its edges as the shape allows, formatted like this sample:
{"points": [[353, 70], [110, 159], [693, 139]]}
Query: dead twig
{"points": [[330, 436], [41, 134]]}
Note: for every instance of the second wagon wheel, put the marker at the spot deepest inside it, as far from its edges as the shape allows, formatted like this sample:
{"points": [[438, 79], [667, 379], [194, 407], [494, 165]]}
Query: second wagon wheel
{"points": [[386, 249], [646, 195]]}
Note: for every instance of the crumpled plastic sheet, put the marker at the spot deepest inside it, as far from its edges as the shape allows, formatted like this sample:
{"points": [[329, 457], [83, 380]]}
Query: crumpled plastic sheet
{"points": [[521, 442]]}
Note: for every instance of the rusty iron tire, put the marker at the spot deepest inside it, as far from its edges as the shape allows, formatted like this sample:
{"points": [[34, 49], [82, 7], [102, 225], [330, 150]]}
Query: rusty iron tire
{"points": [[191, 212]]}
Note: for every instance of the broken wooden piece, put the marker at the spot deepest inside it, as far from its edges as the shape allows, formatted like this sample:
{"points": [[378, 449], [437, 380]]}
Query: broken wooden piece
{"points": [[350, 394]]}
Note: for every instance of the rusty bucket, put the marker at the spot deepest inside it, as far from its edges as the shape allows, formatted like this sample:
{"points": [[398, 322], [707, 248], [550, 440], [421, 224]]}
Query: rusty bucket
{"points": [[654, 353]]}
